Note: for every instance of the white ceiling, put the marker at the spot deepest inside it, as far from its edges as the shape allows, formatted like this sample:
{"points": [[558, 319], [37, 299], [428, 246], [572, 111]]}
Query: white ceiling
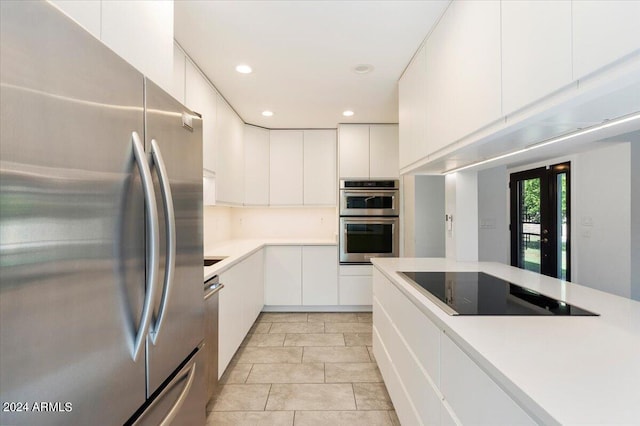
{"points": [[302, 54]]}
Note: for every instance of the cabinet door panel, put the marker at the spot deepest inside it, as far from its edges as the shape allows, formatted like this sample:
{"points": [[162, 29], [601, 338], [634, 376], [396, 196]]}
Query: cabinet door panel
{"points": [[355, 290], [412, 110], [142, 33], [86, 13], [253, 280], [383, 151], [319, 275], [463, 72], [230, 331], [200, 97], [285, 173], [320, 167], [230, 155], [536, 50], [283, 275], [603, 31], [354, 151], [256, 166], [179, 69]]}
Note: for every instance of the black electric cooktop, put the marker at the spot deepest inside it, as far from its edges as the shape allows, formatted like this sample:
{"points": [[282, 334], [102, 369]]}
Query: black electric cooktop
{"points": [[477, 293]]}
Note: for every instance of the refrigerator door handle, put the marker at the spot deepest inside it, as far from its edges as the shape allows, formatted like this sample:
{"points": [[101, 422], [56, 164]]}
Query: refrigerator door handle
{"points": [[167, 200], [175, 408], [153, 243], [183, 395]]}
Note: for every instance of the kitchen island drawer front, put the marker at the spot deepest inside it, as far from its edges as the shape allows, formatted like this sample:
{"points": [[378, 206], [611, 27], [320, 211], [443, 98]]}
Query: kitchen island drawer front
{"points": [[422, 335], [422, 392], [473, 396], [407, 414]]}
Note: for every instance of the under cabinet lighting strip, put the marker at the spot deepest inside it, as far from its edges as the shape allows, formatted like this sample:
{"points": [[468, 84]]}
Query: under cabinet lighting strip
{"points": [[605, 125]]}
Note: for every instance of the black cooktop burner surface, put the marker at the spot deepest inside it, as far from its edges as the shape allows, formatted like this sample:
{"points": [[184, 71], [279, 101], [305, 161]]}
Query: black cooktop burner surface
{"points": [[477, 293]]}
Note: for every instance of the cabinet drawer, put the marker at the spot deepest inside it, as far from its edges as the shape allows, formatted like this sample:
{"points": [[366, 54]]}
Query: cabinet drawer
{"points": [[420, 389], [405, 411], [422, 335], [472, 395]]}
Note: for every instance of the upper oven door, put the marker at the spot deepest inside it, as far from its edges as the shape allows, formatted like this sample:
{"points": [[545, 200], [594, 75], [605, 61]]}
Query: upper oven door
{"points": [[362, 238], [369, 202]]}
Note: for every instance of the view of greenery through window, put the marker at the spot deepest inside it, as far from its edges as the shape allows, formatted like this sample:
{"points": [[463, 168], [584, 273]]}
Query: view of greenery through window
{"points": [[530, 209]]}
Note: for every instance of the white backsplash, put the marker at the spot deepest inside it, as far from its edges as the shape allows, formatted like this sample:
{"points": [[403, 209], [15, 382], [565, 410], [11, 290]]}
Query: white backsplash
{"points": [[223, 223], [217, 225]]}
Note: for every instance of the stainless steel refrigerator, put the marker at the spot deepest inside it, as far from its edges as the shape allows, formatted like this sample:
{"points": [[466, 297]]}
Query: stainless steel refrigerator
{"points": [[101, 307]]}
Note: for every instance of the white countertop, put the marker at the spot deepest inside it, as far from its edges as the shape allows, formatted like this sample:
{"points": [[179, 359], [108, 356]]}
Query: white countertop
{"points": [[569, 370], [236, 250]]}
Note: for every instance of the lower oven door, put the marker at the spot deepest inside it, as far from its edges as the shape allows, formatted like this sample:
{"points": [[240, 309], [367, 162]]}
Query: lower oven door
{"points": [[362, 238]]}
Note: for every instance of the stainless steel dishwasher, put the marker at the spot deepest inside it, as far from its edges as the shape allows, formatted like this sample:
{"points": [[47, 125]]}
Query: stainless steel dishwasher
{"points": [[211, 288]]}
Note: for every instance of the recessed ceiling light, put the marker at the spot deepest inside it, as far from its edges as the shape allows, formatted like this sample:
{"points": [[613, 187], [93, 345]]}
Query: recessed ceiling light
{"points": [[363, 68], [244, 69], [347, 113], [267, 113]]}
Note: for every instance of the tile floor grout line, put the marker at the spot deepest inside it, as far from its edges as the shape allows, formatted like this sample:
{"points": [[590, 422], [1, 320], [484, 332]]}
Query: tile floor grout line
{"points": [[266, 401]]}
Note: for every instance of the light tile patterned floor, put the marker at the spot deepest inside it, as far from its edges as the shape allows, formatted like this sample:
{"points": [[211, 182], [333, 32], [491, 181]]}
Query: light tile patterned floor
{"points": [[304, 369]]}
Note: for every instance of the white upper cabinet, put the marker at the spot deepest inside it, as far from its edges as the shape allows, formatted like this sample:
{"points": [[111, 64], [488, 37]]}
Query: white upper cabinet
{"points": [[320, 167], [179, 69], [285, 169], [603, 31], [368, 151], [256, 166], [200, 97], [354, 151], [412, 110], [463, 72], [536, 50], [383, 151], [230, 155], [142, 33]]}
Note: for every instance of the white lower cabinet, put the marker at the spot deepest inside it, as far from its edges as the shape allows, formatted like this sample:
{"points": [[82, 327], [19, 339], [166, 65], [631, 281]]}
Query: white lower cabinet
{"points": [[240, 302], [283, 276], [429, 378], [355, 285], [319, 275], [301, 275]]}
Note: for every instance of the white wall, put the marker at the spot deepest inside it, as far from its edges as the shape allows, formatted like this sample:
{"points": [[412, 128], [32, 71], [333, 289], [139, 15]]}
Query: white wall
{"points": [[407, 216], [429, 216], [601, 216], [635, 219], [450, 210], [493, 208], [461, 202]]}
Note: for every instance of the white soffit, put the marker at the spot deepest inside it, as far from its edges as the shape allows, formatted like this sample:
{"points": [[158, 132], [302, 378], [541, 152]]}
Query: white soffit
{"points": [[303, 54]]}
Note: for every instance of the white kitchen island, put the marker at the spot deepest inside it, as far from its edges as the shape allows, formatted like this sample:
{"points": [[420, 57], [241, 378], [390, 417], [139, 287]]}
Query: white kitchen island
{"points": [[443, 369]]}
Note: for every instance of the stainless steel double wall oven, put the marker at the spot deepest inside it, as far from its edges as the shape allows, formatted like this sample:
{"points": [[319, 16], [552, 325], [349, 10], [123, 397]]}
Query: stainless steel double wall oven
{"points": [[369, 224]]}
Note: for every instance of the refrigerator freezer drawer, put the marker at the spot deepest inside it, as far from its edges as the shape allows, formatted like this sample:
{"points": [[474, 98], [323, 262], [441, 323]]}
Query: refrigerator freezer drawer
{"points": [[182, 400]]}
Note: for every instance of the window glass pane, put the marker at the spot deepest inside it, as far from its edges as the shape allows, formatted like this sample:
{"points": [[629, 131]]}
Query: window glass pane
{"points": [[529, 224], [561, 182]]}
